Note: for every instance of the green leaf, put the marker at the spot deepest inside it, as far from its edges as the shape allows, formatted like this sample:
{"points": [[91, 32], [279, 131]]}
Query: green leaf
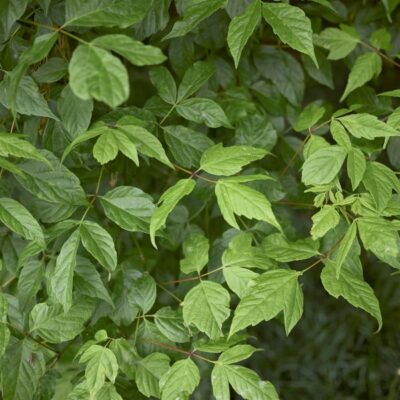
{"points": [[95, 73], [273, 292], [134, 51], [55, 326], [17, 218], [341, 136], [278, 248], [219, 160], [339, 42], [195, 12], [241, 28], [291, 25], [128, 207], [61, 281], [323, 165], [100, 363], [195, 77], [239, 279], [345, 247], [241, 200], [203, 111], [162, 79], [167, 203], [22, 367], [311, 114], [244, 381], [144, 292], [352, 287], [323, 221], [145, 142], [4, 331], [12, 145], [108, 392], [237, 353], [10, 11], [367, 126], [180, 380], [29, 282], [54, 69], [381, 238], [170, 323], [366, 67], [186, 145], [356, 166], [195, 249], [106, 148], [149, 371], [107, 13], [99, 243], [207, 306]]}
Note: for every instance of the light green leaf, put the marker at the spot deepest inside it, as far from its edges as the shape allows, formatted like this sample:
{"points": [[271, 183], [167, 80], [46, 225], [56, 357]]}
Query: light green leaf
{"points": [[203, 111], [107, 13], [195, 77], [278, 248], [345, 247], [313, 144], [207, 306], [195, 12], [273, 292], [134, 51], [170, 324], [241, 28], [219, 160], [180, 380], [167, 203], [128, 207], [195, 249], [108, 392], [144, 292], [243, 380], [55, 326], [145, 142], [22, 367], [149, 371], [17, 218], [186, 145], [323, 221], [367, 126], [311, 114], [341, 136], [126, 145], [95, 73], [356, 166], [100, 363], [29, 282], [239, 279], [163, 80], [366, 67], [339, 42], [352, 287], [236, 354], [323, 165], [106, 148], [61, 281], [241, 200], [98, 242], [4, 331], [291, 25]]}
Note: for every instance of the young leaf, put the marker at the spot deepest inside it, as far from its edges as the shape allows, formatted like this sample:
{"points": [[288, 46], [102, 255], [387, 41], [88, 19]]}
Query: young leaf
{"points": [[162, 79], [219, 160], [207, 306], [356, 166], [291, 25], [170, 323], [272, 292], [341, 136], [366, 67], [180, 380], [234, 198], [144, 293], [339, 42], [106, 148], [108, 392], [101, 363], [95, 73], [195, 12], [168, 202], [352, 287], [17, 218], [323, 165], [323, 221], [98, 242], [241, 28], [61, 281], [239, 280], [195, 249], [309, 117], [236, 354], [345, 247]]}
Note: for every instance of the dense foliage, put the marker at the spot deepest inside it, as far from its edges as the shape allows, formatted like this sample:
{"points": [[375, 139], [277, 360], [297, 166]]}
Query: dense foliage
{"points": [[178, 178]]}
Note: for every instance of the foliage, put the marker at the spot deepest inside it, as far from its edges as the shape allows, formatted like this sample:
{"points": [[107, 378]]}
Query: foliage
{"points": [[175, 173]]}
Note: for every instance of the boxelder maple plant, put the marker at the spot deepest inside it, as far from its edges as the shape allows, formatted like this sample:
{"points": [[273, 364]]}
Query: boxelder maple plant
{"points": [[175, 174]]}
